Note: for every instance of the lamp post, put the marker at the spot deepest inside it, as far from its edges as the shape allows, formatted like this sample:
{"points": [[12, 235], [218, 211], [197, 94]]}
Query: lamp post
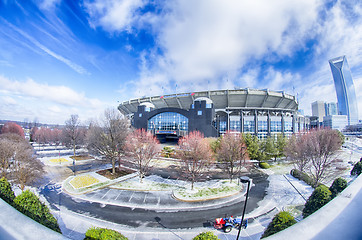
{"points": [[244, 179]]}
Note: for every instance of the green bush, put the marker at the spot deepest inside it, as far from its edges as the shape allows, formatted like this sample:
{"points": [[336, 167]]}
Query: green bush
{"points": [[357, 169], [6, 193], [280, 222], [29, 204], [264, 165], [320, 196], [206, 236], [338, 185], [167, 152], [103, 234], [302, 176]]}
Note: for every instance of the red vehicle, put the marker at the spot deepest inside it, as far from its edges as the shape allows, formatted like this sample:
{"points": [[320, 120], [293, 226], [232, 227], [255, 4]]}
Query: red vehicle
{"points": [[227, 224]]}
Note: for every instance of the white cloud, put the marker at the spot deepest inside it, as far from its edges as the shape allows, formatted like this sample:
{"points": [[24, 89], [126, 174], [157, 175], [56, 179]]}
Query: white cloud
{"points": [[211, 41], [50, 104], [113, 15], [48, 4], [45, 49], [211, 44], [8, 100]]}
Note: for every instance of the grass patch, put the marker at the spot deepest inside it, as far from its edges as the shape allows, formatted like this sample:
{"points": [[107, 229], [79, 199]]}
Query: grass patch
{"points": [[58, 160], [83, 181]]}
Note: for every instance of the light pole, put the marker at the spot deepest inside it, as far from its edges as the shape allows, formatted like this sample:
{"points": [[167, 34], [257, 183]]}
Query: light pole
{"points": [[244, 179]]}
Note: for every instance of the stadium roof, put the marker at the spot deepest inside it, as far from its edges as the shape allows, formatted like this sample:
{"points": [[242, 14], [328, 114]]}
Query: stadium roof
{"points": [[223, 99]]}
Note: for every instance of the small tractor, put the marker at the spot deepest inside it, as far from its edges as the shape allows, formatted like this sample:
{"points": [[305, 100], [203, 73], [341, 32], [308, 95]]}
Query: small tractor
{"points": [[227, 224]]}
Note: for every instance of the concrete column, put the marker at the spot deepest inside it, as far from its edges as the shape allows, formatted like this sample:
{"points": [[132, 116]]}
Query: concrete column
{"points": [[269, 124], [241, 121], [283, 127], [256, 122]]}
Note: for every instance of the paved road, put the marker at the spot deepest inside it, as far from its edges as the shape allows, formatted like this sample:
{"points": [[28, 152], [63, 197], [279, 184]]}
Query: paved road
{"points": [[98, 206]]}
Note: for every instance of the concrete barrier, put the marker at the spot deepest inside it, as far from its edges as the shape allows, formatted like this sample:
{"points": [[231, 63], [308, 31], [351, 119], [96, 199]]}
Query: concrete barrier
{"points": [[341, 218], [15, 225]]}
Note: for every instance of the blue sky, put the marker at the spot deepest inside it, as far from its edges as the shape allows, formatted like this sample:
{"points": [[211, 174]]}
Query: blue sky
{"points": [[59, 57]]}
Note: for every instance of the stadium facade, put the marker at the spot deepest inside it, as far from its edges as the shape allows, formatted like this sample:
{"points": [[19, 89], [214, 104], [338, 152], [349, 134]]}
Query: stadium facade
{"points": [[346, 95], [259, 112]]}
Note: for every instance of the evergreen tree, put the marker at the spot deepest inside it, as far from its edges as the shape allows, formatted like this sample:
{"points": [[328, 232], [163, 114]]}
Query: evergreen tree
{"points": [[338, 186], [280, 222], [320, 196]]}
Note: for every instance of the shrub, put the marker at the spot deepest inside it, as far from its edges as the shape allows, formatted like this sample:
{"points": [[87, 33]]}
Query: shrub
{"points": [[206, 236], [280, 222], [338, 185], [103, 234], [302, 176], [357, 169], [6, 193], [264, 165], [29, 204], [320, 196], [167, 152]]}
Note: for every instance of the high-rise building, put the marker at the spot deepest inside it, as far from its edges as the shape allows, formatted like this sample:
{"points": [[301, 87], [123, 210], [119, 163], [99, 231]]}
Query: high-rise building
{"points": [[318, 110], [331, 109], [347, 101]]}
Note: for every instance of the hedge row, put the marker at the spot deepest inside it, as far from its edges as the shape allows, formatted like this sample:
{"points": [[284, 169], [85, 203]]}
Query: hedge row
{"points": [[6, 193], [28, 204], [302, 176]]}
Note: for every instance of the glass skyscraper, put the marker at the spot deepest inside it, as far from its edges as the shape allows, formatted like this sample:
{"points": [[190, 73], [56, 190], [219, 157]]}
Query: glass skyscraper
{"points": [[347, 101]]}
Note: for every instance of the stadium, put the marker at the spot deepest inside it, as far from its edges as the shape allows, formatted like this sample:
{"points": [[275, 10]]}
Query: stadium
{"points": [[259, 112]]}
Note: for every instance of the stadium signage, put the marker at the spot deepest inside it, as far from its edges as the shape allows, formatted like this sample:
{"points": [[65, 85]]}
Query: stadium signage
{"points": [[177, 95]]}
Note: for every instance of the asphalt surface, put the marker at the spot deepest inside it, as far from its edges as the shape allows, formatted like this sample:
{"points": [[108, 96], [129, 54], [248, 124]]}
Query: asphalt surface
{"points": [[152, 209]]}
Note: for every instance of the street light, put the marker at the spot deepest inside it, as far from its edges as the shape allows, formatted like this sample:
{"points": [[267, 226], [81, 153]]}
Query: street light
{"points": [[244, 179]]}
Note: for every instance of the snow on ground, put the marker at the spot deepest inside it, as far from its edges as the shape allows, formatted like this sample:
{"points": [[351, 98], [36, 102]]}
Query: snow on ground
{"points": [[281, 194], [182, 189]]}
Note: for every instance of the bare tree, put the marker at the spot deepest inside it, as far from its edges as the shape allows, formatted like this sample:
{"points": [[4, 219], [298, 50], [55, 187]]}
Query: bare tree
{"points": [[25, 168], [296, 151], [322, 146], [314, 152], [17, 161], [6, 154], [72, 134], [232, 154], [195, 154], [108, 139], [143, 147]]}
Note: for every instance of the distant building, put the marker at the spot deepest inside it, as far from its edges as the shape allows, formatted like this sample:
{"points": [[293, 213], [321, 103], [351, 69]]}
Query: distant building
{"points": [[347, 101], [314, 122], [338, 122], [318, 110], [331, 109]]}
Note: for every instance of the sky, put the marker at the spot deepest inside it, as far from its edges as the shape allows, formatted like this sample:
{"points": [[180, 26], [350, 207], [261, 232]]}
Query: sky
{"points": [[64, 57]]}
